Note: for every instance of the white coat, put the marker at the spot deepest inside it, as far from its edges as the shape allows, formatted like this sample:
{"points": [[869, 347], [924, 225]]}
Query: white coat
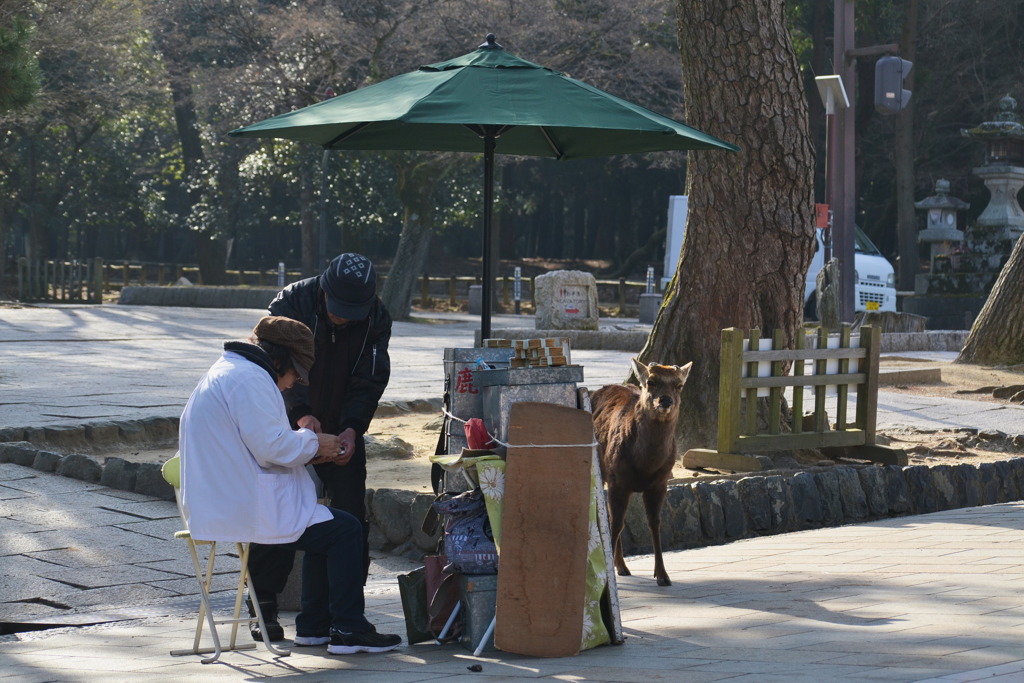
{"points": [[243, 475]]}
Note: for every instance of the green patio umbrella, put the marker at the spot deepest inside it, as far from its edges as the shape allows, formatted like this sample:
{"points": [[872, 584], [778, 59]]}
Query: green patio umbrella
{"points": [[486, 101]]}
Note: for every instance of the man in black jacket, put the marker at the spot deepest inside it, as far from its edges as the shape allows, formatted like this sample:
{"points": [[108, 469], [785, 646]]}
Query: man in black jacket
{"points": [[351, 331]]}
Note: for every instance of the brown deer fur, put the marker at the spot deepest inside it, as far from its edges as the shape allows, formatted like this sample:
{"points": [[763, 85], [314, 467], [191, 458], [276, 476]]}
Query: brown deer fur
{"points": [[636, 435]]}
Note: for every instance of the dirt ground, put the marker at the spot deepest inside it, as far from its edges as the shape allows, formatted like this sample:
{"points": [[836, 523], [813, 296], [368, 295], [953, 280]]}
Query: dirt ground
{"points": [[975, 383]]}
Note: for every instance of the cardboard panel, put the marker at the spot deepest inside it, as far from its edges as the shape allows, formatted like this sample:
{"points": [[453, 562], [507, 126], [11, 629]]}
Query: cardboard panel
{"points": [[544, 531]]}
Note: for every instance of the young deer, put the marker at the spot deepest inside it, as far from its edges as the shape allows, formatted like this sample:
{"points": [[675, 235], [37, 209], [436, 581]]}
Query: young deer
{"points": [[636, 435]]}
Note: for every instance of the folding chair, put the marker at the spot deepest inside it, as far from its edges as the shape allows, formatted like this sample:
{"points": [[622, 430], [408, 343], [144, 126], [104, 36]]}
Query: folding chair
{"points": [[171, 471]]}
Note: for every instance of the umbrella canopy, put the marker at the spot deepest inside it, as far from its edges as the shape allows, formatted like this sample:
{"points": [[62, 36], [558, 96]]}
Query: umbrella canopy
{"points": [[486, 101]]}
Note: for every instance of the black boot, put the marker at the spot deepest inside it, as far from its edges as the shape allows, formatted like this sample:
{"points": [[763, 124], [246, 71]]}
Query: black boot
{"points": [[275, 631]]}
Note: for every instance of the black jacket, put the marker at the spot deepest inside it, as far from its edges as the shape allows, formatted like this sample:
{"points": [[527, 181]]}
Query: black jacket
{"points": [[352, 366]]}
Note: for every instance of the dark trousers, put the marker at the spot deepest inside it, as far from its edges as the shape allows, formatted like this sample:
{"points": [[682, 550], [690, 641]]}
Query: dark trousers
{"points": [[332, 578], [270, 565]]}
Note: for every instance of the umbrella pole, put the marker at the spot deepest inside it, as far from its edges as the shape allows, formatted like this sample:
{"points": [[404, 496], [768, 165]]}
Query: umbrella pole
{"points": [[485, 303]]}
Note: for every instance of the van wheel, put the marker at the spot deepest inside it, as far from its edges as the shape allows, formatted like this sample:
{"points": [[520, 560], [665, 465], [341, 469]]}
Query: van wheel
{"points": [[811, 308]]}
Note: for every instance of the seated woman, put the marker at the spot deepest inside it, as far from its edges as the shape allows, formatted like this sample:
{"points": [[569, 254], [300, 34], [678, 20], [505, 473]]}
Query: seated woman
{"points": [[244, 479]]}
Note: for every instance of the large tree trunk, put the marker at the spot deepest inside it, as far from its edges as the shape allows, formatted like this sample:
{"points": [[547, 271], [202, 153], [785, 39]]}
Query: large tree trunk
{"points": [[418, 176], [906, 220], [997, 336], [749, 233], [410, 259]]}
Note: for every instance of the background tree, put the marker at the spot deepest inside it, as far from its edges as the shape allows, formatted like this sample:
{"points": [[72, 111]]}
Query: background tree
{"points": [[19, 69], [749, 234]]}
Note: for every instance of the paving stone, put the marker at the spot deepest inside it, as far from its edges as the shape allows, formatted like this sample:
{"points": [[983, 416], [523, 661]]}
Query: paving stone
{"points": [[897, 490], [872, 482], [947, 493], [119, 473], [390, 510], [160, 429], [149, 481], [65, 437], [732, 509], [102, 433], [851, 493], [45, 461], [921, 487], [79, 466], [712, 513], [18, 453], [968, 481], [806, 499], [754, 494], [827, 482], [680, 527], [417, 510], [11, 434]]}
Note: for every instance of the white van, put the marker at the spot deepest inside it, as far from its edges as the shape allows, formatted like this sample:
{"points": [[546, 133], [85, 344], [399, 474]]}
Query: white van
{"points": [[874, 286], [875, 279]]}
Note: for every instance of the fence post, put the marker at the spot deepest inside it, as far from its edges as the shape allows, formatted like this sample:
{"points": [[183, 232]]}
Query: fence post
{"points": [[820, 367], [97, 281], [506, 293], [425, 291], [730, 370], [798, 391], [22, 277], [125, 275], [453, 290], [750, 403], [533, 293], [870, 340], [622, 296], [775, 393], [842, 390]]}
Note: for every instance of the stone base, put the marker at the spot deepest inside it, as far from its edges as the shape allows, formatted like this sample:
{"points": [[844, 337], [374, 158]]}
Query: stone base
{"points": [[649, 306], [955, 312]]}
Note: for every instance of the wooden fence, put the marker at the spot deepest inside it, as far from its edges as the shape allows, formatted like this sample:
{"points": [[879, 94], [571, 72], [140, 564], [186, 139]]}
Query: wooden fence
{"points": [[753, 369], [71, 281], [57, 280]]}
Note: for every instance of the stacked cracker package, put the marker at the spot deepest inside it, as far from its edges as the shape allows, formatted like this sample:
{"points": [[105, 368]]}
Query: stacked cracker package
{"points": [[548, 352]]}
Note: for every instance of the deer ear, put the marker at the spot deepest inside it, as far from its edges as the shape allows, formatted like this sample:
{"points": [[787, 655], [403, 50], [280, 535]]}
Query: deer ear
{"points": [[640, 371], [684, 370]]}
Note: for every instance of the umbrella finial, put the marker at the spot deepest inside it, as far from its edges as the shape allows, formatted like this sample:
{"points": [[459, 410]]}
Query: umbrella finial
{"points": [[491, 43]]}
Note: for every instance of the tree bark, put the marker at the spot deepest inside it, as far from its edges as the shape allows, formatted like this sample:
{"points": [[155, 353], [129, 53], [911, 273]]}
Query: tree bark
{"points": [[750, 230], [997, 336], [417, 179]]}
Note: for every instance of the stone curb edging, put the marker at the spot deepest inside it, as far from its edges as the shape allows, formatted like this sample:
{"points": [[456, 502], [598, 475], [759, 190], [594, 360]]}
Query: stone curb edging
{"points": [[697, 514], [718, 511], [31, 447], [634, 340]]}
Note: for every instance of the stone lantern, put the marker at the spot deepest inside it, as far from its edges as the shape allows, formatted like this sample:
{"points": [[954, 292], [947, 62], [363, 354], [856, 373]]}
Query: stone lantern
{"points": [[1002, 221], [940, 231]]}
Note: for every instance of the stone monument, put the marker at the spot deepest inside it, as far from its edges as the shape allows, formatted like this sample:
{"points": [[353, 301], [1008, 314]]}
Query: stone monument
{"points": [[566, 300]]}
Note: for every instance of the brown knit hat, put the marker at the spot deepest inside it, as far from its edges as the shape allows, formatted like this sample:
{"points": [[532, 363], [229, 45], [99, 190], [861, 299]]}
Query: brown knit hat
{"points": [[292, 335]]}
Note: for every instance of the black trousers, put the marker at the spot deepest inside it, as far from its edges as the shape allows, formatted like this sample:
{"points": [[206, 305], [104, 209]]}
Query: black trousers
{"points": [[345, 486]]}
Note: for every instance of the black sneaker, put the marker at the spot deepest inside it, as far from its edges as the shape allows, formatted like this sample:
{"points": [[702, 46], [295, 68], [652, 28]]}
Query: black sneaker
{"points": [[275, 632], [369, 641]]}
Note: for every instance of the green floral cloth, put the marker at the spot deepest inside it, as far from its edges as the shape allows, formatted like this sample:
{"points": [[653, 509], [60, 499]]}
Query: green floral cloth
{"points": [[491, 477]]}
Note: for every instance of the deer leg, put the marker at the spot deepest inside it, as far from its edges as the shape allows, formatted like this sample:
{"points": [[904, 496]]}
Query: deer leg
{"points": [[653, 500], [618, 499]]}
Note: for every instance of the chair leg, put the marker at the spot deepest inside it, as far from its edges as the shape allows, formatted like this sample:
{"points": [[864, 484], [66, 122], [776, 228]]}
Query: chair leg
{"points": [[204, 580], [243, 581]]}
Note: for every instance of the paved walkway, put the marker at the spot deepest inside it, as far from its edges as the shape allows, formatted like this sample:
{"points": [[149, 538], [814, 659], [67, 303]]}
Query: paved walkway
{"points": [[933, 597]]}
